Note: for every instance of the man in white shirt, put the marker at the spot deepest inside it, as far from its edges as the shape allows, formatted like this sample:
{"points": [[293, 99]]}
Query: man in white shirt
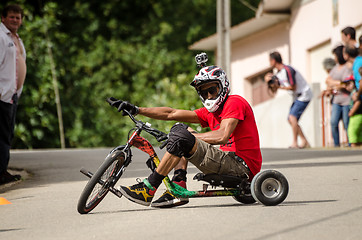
{"points": [[12, 77], [287, 78]]}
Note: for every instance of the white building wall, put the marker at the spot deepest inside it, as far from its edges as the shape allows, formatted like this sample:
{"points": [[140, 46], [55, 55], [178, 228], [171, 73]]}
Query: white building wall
{"points": [[315, 72], [350, 15], [271, 119], [311, 24]]}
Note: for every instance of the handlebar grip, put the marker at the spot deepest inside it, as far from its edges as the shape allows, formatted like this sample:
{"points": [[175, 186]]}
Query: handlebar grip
{"points": [[114, 102], [163, 145], [161, 138], [111, 100]]}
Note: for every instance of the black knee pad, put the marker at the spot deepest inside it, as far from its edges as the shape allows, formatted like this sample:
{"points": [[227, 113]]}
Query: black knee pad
{"points": [[180, 140]]}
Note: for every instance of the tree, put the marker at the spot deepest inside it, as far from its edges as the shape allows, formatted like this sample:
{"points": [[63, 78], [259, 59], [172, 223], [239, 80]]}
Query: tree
{"points": [[133, 50]]}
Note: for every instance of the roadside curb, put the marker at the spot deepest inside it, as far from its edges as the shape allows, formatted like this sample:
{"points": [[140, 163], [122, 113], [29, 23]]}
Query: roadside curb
{"points": [[24, 176]]}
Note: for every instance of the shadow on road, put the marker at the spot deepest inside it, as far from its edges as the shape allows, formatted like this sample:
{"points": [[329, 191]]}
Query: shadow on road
{"points": [[284, 204], [11, 230], [298, 203]]}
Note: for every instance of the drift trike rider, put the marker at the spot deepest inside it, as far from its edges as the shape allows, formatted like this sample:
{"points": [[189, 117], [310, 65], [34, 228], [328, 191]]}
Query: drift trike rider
{"points": [[232, 125]]}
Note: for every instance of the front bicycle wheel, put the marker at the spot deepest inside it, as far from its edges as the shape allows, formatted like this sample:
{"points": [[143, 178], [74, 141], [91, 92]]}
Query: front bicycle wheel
{"points": [[99, 184]]}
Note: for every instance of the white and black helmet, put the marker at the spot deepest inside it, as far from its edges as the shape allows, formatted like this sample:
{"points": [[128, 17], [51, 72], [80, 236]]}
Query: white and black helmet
{"points": [[212, 74]]}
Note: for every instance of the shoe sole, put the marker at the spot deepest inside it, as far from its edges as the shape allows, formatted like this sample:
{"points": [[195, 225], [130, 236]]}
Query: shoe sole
{"points": [[9, 181], [135, 200], [170, 203]]}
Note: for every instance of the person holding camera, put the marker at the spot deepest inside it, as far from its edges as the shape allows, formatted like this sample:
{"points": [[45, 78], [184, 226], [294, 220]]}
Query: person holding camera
{"points": [[287, 78]]}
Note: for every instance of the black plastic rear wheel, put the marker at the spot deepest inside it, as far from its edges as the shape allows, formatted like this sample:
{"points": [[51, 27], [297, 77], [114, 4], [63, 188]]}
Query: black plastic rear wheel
{"points": [[269, 187], [94, 191], [245, 199]]}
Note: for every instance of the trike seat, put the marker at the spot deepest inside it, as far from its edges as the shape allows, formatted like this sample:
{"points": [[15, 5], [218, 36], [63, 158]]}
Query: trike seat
{"points": [[220, 180]]}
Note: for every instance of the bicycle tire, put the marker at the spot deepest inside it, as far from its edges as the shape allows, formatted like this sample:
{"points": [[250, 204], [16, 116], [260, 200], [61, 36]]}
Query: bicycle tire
{"points": [[94, 192]]}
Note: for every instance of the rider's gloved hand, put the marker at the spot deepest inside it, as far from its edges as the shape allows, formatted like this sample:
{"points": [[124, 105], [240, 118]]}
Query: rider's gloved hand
{"points": [[114, 102], [131, 108]]}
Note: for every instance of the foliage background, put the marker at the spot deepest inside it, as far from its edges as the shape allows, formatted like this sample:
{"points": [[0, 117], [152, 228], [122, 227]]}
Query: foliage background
{"points": [[132, 50]]}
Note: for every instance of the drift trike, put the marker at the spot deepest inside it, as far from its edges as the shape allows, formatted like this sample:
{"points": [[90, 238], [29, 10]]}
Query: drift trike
{"points": [[268, 187]]}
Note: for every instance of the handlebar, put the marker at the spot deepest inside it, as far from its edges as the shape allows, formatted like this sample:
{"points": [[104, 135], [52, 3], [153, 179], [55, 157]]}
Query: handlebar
{"points": [[159, 135], [111, 100]]}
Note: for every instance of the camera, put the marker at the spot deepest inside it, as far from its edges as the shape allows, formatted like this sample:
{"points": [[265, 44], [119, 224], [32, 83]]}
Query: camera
{"points": [[273, 84], [273, 80], [201, 59]]}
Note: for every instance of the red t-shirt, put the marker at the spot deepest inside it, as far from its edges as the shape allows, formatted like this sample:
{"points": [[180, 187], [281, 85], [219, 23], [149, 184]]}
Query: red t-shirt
{"points": [[244, 141]]}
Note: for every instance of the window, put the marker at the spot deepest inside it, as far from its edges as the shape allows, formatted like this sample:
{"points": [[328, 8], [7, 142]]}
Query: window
{"points": [[259, 88]]}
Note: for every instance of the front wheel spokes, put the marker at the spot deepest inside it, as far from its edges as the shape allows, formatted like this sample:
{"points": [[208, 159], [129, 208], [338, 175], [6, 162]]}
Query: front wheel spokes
{"points": [[103, 180], [109, 177], [100, 189]]}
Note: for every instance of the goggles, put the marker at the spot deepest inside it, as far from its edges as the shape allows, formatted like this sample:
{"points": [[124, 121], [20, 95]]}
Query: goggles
{"points": [[205, 92]]}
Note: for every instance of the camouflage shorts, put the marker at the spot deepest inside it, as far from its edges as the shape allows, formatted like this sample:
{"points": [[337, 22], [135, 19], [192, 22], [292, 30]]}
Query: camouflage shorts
{"points": [[210, 159]]}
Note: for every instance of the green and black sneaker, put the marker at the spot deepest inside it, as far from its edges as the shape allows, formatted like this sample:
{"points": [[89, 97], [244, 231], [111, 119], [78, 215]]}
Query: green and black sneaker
{"points": [[168, 200], [141, 193]]}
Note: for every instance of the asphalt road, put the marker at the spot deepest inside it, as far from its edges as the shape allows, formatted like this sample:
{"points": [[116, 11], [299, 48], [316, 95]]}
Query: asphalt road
{"points": [[324, 201]]}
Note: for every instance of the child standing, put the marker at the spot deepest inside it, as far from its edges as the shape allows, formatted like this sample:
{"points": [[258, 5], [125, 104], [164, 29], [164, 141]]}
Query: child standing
{"points": [[355, 114]]}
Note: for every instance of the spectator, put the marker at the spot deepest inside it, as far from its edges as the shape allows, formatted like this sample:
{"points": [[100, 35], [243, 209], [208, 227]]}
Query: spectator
{"points": [[12, 76], [349, 37], [341, 98], [289, 79], [355, 114], [357, 65], [328, 65], [349, 54]]}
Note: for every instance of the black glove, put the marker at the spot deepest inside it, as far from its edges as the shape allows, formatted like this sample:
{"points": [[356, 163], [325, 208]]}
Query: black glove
{"points": [[132, 109], [114, 102]]}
